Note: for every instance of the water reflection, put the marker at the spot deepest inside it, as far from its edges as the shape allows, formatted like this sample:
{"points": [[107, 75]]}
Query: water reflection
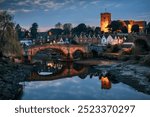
{"points": [[59, 80], [105, 82]]}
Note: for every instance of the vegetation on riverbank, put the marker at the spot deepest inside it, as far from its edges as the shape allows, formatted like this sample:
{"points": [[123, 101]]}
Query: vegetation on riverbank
{"points": [[9, 44], [10, 76]]}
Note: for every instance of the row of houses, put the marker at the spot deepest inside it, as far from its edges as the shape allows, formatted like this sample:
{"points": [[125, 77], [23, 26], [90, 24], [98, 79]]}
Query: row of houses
{"points": [[83, 39], [103, 39]]}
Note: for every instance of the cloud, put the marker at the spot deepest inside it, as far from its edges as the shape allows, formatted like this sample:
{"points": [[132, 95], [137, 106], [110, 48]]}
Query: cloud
{"points": [[49, 4], [25, 10], [95, 2], [2, 1], [82, 3], [31, 5]]}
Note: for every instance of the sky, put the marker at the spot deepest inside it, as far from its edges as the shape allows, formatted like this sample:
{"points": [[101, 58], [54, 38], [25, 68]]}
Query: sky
{"points": [[49, 12]]}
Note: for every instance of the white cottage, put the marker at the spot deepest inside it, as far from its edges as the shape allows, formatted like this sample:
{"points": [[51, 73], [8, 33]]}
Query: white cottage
{"points": [[103, 40], [109, 39], [66, 41], [76, 38], [61, 41]]}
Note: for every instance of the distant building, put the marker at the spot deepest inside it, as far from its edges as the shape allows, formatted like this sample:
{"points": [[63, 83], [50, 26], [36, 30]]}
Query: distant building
{"points": [[105, 21], [130, 23], [26, 42], [109, 39], [103, 40], [60, 41]]}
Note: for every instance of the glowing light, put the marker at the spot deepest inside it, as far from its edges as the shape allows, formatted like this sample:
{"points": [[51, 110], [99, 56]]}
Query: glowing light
{"points": [[129, 28], [106, 84], [50, 64]]}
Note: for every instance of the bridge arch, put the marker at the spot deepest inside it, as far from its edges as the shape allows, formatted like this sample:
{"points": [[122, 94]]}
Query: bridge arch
{"points": [[78, 54], [65, 49], [50, 51]]}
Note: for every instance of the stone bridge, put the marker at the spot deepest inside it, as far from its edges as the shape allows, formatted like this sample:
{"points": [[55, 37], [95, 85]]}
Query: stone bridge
{"points": [[66, 49]]}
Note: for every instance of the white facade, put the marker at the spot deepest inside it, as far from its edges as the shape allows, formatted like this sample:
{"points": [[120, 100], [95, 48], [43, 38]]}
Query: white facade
{"points": [[61, 41], [109, 39], [103, 40], [26, 42]]}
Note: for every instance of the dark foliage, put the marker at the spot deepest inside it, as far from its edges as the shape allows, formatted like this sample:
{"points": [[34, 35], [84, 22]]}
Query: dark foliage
{"points": [[33, 30], [141, 46], [135, 28]]}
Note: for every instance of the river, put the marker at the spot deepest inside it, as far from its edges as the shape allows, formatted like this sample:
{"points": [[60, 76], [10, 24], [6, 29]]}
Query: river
{"points": [[53, 80]]}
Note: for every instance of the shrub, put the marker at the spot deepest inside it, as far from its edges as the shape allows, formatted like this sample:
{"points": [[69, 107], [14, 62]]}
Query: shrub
{"points": [[115, 48], [141, 46], [146, 60]]}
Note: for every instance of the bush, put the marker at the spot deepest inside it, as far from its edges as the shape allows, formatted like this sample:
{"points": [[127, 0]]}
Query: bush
{"points": [[127, 51], [115, 48], [146, 60], [141, 46]]}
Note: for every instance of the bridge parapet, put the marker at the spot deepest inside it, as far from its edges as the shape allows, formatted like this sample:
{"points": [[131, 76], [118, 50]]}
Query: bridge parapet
{"points": [[64, 48]]}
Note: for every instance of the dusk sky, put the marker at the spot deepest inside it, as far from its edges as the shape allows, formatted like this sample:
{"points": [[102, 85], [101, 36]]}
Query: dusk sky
{"points": [[49, 12]]}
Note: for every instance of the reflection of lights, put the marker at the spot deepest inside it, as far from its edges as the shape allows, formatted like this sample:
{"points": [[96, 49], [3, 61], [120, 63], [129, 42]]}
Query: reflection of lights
{"points": [[50, 64], [106, 84]]}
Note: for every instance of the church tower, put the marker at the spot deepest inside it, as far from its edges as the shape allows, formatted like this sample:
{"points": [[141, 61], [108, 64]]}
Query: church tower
{"points": [[105, 21]]}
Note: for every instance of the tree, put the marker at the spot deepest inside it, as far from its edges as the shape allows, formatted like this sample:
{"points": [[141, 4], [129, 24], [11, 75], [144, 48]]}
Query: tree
{"points": [[18, 30], [148, 28], [97, 30], [26, 34], [124, 29], [115, 26], [67, 28], [90, 30], [58, 25], [135, 28], [55, 31], [8, 39], [33, 30], [81, 28]]}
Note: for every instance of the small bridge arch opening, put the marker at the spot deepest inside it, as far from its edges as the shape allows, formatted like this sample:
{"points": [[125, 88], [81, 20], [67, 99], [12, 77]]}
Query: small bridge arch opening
{"points": [[49, 54], [78, 54]]}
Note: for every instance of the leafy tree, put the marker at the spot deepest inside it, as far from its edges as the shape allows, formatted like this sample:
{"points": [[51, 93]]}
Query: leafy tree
{"points": [[67, 28], [135, 28], [81, 28], [148, 28], [56, 32], [33, 30], [8, 38], [97, 30], [90, 30], [141, 46], [26, 34], [124, 29], [18, 30], [58, 25], [115, 26]]}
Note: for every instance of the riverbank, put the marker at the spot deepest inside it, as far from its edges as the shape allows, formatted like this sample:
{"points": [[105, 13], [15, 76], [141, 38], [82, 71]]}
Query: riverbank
{"points": [[11, 75], [131, 72], [134, 75]]}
